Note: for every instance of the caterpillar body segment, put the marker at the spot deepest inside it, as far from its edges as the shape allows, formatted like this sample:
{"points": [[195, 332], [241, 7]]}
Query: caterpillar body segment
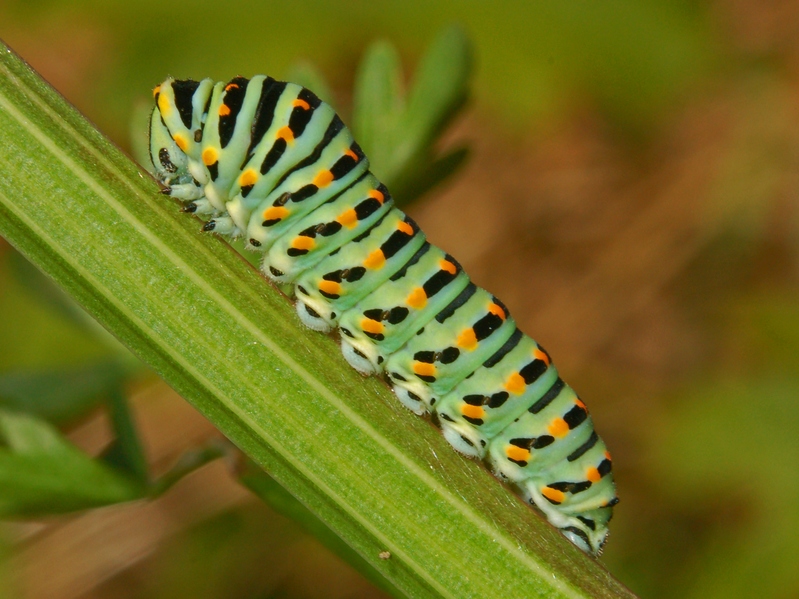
{"points": [[269, 161], [344, 278]]}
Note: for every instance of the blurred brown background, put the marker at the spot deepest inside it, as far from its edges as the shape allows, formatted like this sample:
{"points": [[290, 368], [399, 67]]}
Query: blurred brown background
{"points": [[632, 196]]}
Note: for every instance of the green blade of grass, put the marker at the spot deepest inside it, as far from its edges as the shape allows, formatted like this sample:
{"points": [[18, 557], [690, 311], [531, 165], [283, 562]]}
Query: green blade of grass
{"points": [[205, 320]]}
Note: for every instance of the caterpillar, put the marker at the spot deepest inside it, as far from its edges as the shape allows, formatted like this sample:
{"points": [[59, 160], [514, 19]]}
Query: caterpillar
{"points": [[268, 160]]}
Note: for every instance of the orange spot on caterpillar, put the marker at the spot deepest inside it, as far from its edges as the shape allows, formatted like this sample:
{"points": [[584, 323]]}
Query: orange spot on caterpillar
{"points": [[515, 384], [275, 213], [580, 403], [553, 495], [156, 90], [181, 141], [330, 287], [467, 339], [351, 154], [497, 310], [224, 110], [417, 299], [301, 104], [230, 86], [558, 428], [375, 260], [248, 178], [301, 242], [448, 266], [164, 105], [607, 456], [405, 227], [372, 326], [471, 411], [518, 454], [323, 179], [377, 195], [285, 133], [424, 369], [593, 475], [348, 219], [539, 355], [210, 156]]}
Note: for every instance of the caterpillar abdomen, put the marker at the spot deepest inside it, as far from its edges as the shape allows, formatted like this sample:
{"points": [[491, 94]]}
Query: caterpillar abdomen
{"points": [[269, 161]]}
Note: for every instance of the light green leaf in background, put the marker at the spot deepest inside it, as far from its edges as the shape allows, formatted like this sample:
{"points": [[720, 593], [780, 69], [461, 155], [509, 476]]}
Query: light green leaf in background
{"points": [[42, 473], [399, 133], [378, 103]]}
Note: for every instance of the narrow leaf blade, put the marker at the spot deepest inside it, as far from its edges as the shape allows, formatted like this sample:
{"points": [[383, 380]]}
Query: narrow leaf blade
{"points": [[439, 90], [378, 104], [41, 473]]}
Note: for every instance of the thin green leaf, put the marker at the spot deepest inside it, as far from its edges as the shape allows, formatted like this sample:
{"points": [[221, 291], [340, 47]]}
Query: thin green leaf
{"points": [[190, 307], [281, 501], [378, 105], [190, 461], [125, 453], [41, 473], [62, 394], [439, 90]]}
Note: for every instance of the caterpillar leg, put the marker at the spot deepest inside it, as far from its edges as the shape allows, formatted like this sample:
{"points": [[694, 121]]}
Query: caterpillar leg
{"points": [[365, 358], [223, 225], [410, 400], [185, 192], [201, 206], [464, 438], [313, 319]]}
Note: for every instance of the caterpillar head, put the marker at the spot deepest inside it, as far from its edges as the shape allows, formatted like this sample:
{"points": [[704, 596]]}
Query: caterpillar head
{"points": [[169, 161], [176, 130]]}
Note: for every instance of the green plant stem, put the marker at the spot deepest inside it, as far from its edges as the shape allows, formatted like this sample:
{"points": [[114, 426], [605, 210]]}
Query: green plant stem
{"points": [[193, 310]]}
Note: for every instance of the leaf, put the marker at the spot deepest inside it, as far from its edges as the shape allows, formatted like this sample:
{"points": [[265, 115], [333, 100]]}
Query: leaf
{"points": [[60, 394], [190, 461], [125, 454], [200, 316], [399, 135], [41, 473], [378, 104], [439, 90]]}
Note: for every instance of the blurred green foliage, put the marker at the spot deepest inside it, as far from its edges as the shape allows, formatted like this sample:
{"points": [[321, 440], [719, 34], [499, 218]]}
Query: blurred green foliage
{"points": [[634, 57], [710, 491]]}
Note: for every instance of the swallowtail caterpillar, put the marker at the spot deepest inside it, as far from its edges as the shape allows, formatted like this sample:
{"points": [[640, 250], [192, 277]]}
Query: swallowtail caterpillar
{"points": [[269, 161]]}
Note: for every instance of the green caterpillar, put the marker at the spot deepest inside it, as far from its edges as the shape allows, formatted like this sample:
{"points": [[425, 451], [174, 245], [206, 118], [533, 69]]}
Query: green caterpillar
{"points": [[269, 161]]}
